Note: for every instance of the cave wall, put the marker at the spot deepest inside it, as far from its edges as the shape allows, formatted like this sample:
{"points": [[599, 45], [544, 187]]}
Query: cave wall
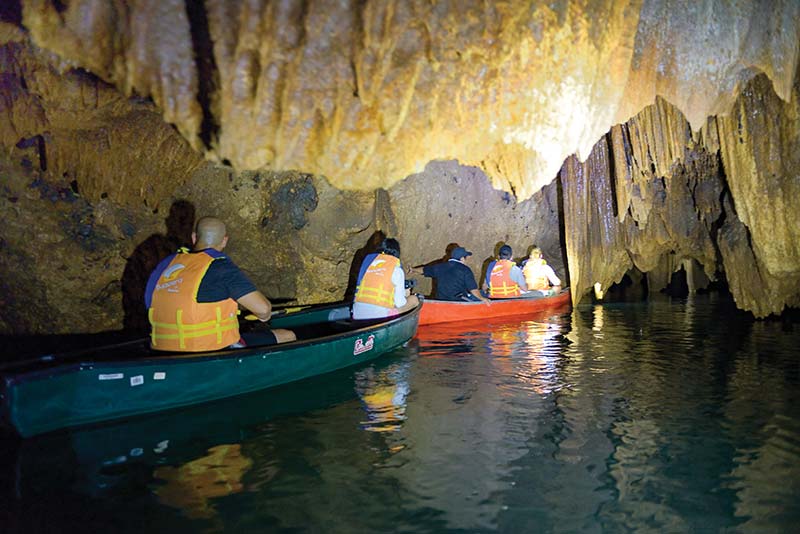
{"points": [[97, 188], [71, 265], [82, 167], [760, 147]]}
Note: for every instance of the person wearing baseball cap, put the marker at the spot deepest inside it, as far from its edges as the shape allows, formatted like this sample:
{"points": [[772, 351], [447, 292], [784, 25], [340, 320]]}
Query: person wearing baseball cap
{"points": [[454, 279], [504, 279]]}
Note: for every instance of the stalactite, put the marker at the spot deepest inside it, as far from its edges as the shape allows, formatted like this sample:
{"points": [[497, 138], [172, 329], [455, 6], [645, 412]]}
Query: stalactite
{"points": [[595, 240], [367, 93], [759, 146], [666, 190], [725, 198]]}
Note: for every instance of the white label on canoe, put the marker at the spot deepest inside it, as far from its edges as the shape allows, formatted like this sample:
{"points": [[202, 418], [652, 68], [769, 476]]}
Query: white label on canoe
{"points": [[360, 346], [112, 376], [160, 375], [137, 380]]}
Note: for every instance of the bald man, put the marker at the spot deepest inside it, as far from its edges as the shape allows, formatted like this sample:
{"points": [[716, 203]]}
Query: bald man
{"points": [[193, 298]]}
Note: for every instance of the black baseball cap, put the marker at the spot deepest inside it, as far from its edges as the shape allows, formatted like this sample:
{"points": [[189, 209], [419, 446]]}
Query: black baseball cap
{"points": [[460, 252]]}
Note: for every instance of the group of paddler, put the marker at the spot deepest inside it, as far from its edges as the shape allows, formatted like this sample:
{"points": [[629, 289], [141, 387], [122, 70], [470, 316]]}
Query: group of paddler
{"points": [[193, 296]]}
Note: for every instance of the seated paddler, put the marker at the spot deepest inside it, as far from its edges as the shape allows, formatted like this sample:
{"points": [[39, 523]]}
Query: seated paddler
{"points": [[539, 276], [193, 298], [454, 279], [381, 288], [504, 279]]}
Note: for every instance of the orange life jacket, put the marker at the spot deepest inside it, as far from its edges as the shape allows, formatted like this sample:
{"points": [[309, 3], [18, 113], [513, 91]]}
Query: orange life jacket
{"points": [[178, 322], [535, 276], [375, 285], [501, 286]]}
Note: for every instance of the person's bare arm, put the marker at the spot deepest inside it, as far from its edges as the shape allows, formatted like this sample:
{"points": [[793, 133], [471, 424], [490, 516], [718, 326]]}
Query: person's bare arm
{"points": [[256, 302], [261, 307]]}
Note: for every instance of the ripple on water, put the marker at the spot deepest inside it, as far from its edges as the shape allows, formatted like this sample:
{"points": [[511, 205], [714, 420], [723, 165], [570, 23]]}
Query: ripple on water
{"points": [[663, 416]]}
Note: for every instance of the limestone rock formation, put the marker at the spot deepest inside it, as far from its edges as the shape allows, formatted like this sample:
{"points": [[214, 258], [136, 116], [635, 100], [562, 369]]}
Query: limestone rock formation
{"points": [[71, 125], [652, 195], [96, 189], [675, 128], [366, 93]]}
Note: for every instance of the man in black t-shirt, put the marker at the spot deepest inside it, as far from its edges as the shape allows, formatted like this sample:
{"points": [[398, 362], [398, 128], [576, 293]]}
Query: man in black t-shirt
{"points": [[222, 282], [454, 280]]}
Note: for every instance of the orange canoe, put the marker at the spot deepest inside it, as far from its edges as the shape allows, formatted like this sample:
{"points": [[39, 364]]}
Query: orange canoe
{"points": [[444, 311]]}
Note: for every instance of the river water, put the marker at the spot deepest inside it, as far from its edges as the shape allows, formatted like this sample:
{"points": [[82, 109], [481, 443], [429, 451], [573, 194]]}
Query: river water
{"points": [[660, 416]]}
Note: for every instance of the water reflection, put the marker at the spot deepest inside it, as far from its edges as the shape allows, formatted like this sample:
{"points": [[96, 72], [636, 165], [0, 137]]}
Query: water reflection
{"points": [[473, 412], [186, 459], [543, 346], [384, 395], [192, 486], [664, 416]]}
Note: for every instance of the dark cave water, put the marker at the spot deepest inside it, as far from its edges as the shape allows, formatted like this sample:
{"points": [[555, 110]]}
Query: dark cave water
{"points": [[673, 415]]}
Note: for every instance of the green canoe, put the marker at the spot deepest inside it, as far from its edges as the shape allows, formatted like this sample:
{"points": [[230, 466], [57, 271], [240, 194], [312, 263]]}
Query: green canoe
{"points": [[129, 379]]}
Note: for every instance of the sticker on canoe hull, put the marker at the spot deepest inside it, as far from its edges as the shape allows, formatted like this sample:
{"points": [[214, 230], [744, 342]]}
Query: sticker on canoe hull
{"points": [[360, 346], [137, 380], [111, 376], [159, 375]]}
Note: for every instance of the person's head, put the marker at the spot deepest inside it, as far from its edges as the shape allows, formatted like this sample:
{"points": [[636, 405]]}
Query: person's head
{"points": [[210, 232], [460, 253], [536, 253], [389, 246], [505, 252]]}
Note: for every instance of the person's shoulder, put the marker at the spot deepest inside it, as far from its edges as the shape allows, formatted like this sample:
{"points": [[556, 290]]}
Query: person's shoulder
{"points": [[464, 271], [222, 261], [224, 266]]}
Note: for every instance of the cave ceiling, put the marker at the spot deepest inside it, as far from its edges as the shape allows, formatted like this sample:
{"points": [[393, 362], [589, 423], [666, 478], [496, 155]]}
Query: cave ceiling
{"points": [[367, 93]]}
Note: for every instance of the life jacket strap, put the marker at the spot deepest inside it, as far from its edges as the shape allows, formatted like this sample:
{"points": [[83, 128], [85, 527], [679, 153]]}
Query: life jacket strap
{"points": [[182, 331]]}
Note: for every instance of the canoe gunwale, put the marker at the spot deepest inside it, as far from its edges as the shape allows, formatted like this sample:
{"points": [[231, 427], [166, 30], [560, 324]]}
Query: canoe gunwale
{"points": [[396, 331], [496, 302], [448, 311], [149, 357]]}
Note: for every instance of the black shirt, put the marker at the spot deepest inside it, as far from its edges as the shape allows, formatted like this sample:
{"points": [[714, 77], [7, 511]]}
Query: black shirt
{"points": [[224, 280], [454, 280]]}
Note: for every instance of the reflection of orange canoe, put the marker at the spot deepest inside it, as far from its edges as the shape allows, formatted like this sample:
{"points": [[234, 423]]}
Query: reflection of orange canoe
{"points": [[442, 311]]}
